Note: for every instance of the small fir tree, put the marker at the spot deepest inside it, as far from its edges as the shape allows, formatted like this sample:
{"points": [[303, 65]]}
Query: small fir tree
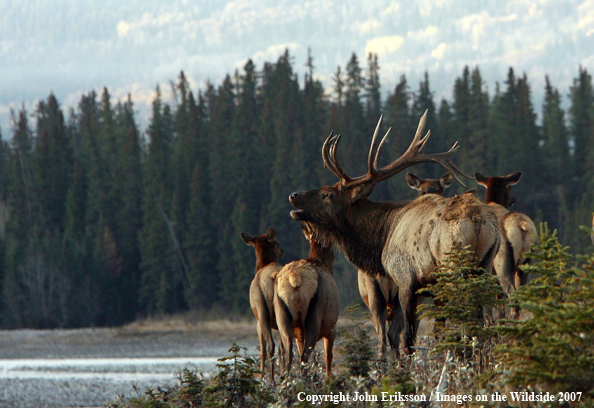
{"points": [[554, 348], [462, 293]]}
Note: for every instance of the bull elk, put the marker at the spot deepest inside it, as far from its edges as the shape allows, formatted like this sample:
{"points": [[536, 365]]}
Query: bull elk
{"points": [[380, 293], [268, 252], [518, 232], [307, 304], [406, 241]]}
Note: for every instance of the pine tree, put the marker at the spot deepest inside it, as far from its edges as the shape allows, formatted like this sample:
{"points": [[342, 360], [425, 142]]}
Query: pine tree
{"points": [[462, 293], [128, 217], [19, 226], [355, 143], [556, 159], [287, 165], [515, 136], [158, 281], [399, 119], [315, 117], [581, 129], [52, 163], [423, 102]]}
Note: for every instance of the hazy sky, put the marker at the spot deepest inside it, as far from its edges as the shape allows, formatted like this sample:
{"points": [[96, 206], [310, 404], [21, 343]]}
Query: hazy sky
{"points": [[71, 47]]}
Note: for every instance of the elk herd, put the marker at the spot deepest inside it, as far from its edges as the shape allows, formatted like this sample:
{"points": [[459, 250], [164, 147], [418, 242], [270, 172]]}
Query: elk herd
{"points": [[395, 246]]}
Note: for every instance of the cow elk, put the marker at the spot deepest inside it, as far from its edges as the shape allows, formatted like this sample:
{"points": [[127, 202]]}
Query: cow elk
{"points": [[307, 304], [268, 252], [429, 186], [406, 241], [518, 232]]}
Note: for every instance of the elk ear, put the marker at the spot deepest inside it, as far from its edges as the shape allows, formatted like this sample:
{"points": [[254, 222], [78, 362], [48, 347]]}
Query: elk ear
{"points": [[413, 181], [361, 191], [247, 238], [482, 180], [513, 178], [446, 180], [271, 235]]}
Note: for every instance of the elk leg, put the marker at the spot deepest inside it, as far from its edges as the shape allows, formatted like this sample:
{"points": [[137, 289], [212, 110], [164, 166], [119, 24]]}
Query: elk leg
{"points": [[328, 345], [408, 303], [262, 346], [286, 349], [311, 338], [266, 342], [395, 327], [377, 314]]}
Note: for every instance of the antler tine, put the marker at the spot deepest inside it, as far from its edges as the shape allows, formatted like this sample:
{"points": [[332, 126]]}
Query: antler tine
{"points": [[380, 147], [372, 155], [344, 178], [326, 147]]}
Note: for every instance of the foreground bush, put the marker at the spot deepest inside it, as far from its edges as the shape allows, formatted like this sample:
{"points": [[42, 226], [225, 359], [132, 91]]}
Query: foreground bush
{"points": [[553, 350]]}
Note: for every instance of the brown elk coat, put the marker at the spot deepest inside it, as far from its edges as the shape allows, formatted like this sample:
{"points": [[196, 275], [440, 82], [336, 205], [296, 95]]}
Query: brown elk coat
{"points": [[518, 232], [268, 251], [307, 304]]}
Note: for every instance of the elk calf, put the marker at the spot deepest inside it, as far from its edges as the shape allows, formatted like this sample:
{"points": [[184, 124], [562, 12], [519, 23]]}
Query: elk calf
{"points": [[307, 303], [518, 232], [268, 252]]}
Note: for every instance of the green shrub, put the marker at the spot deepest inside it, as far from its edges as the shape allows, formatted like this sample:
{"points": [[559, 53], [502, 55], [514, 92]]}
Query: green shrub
{"points": [[462, 295], [356, 346], [236, 384], [554, 348]]}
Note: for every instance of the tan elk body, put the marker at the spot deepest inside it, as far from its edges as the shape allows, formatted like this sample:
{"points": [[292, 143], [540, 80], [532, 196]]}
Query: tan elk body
{"points": [[406, 241], [307, 303], [268, 252], [380, 293], [518, 232]]}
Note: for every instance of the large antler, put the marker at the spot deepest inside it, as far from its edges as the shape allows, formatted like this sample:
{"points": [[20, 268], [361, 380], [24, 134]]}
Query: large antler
{"points": [[413, 155]]}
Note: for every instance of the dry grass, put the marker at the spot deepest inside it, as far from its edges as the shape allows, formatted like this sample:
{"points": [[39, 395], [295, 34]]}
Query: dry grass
{"points": [[198, 326]]}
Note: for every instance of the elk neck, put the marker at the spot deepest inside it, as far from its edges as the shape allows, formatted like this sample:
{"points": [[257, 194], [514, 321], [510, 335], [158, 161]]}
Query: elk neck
{"points": [[497, 195], [264, 258], [322, 254], [364, 233]]}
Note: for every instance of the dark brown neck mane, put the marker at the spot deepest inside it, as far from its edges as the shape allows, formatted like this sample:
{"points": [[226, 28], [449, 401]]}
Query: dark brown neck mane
{"points": [[361, 233]]}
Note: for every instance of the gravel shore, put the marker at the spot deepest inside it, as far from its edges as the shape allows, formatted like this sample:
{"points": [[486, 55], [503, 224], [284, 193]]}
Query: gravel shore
{"points": [[87, 367]]}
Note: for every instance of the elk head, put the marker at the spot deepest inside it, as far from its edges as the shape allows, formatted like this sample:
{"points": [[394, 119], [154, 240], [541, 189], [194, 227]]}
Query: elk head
{"points": [[327, 208], [499, 188], [429, 186], [268, 249]]}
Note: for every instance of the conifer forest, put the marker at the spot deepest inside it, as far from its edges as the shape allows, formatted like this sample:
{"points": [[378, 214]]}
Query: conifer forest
{"points": [[102, 222]]}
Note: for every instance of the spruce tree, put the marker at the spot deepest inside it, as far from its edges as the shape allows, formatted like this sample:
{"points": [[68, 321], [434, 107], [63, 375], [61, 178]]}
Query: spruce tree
{"points": [[552, 350], [52, 163], [581, 128], [399, 119], [423, 102], [156, 291], [556, 159], [19, 226]]}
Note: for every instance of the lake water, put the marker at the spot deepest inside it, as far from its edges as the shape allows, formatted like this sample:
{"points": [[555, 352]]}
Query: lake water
{"points": [[81, 382]]}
